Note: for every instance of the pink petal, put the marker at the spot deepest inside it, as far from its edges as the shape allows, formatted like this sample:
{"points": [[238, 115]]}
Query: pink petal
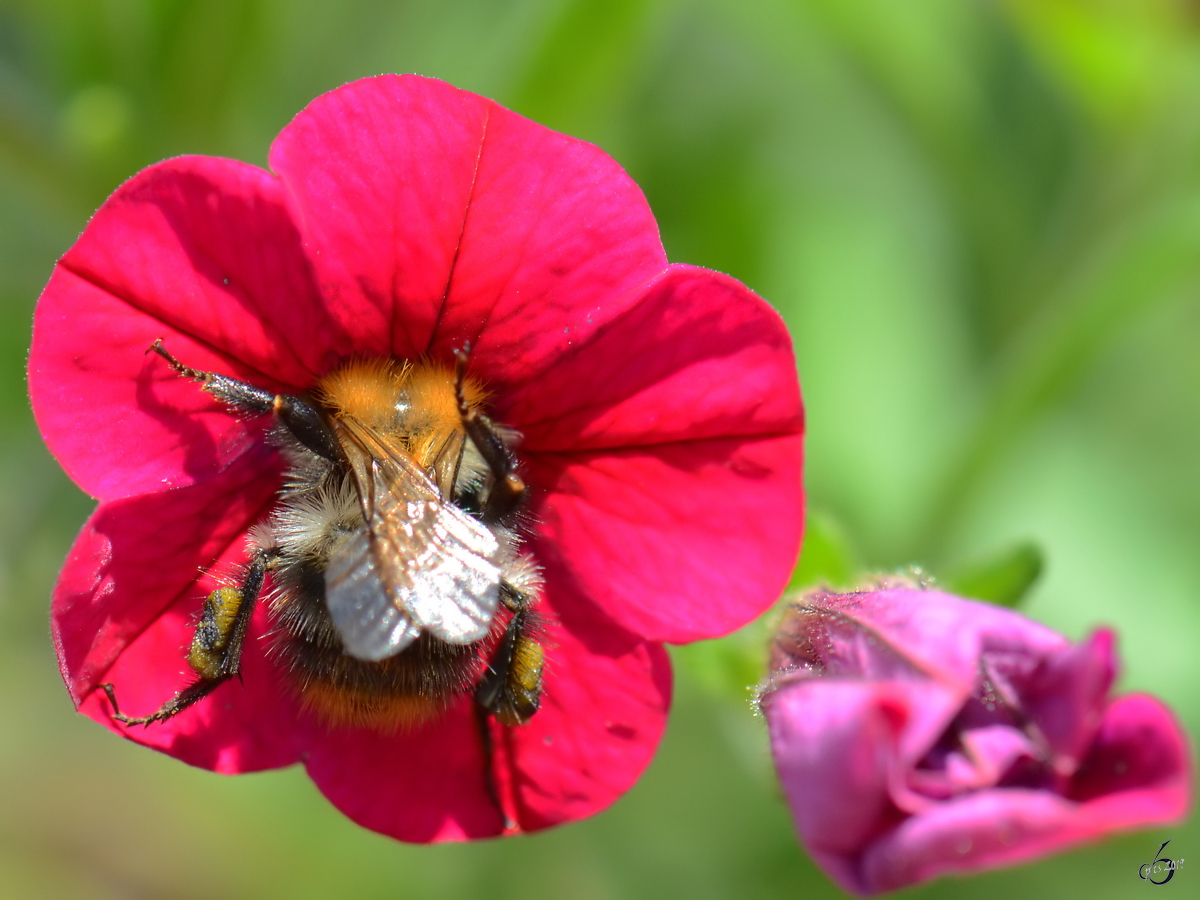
{"points": [[200, 252], [245, 725], [435, 217], [835, 745], [603, 713], [380, 173], [421, 785], [1140, 745], [940, 635], [125, 608], [697, 356], [604, 708], [555, 242], [137, 557], [986, 756], [1004, 826], [1067, 698], [669, 541]]}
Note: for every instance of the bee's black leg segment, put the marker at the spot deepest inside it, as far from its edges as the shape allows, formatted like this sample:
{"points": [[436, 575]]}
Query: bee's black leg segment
{"points": [[189, 696], [504, 498], [230, 648], [511, 688], [236, 393], [300, 417], [216, 651], [513, 599], [176, 365], [508, 488], [306, 424]]}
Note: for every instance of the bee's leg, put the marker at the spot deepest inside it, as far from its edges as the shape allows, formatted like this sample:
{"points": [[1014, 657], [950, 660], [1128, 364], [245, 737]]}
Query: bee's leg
{"points": [[300, 417], [508, 488], [511, 688], [189, 696], [216, 651]]}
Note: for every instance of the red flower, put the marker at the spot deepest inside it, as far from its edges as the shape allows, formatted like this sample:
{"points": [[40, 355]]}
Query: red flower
{"points": [[658, 405], [918, 734]]}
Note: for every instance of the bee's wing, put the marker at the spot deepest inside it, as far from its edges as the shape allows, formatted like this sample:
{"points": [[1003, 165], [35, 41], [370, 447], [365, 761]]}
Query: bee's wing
{"points": [[434, 567], [437, 562], [370, 625]]}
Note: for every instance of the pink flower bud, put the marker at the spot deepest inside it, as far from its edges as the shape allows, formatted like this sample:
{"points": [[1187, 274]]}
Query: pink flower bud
{"points": [[918, 734]]}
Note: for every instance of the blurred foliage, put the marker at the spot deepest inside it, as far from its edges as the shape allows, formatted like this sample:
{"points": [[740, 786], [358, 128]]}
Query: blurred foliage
{"points": [[828, 560], [1005, 579], [981, 221]]}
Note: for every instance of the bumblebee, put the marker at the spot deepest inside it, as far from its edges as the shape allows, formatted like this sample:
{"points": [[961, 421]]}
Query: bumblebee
{"points": [[397, 582]]}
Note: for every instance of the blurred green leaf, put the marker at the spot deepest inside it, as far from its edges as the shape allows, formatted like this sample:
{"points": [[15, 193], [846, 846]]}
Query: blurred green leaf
{"points": [[586, 60], [1147, 260], [827, 557], [1120, 57], [1004, 579], [730, 666]]}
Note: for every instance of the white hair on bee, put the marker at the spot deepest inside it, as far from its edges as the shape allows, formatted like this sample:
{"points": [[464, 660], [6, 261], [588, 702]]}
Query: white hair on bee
{"points": [[309, 523], [524, 575], [261, 537], [472, 468]]}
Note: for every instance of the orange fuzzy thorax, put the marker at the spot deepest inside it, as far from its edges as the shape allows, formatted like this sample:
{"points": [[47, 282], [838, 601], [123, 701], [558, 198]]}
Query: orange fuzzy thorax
{"points": [[413, 400]]}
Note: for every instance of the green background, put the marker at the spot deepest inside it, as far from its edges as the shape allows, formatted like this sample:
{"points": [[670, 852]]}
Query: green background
{"points": [[982, 223]]}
